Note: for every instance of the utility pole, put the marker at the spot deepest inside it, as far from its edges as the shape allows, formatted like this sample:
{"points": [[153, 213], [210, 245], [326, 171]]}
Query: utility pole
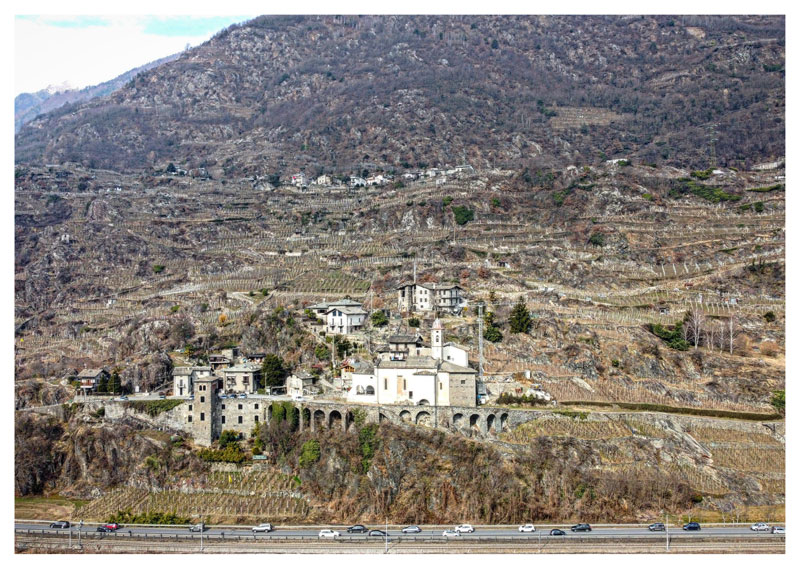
{"points": [[202, 526], [386, 549], [666, 528], [480, 305]]}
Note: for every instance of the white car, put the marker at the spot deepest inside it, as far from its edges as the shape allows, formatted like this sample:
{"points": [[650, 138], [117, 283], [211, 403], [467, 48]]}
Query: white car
{"points": [[464, 529], [328, 533], [527, 528], [759, 527], [263, 527], [448, 532], [778, 530]]}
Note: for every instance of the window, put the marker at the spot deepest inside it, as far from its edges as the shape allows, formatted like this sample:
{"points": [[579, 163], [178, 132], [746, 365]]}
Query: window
{"points": [[463, 381], [255, 418], [190, 418], [440, 385], [411, 395], [404, 385], [190, 408], [223, 420], [202, 416], [202, 399], [240, 407], [385, 384], [256, 406], [240, 420]]}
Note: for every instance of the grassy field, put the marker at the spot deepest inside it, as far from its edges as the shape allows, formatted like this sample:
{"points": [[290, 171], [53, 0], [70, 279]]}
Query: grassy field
{"points": [[48, 508]]}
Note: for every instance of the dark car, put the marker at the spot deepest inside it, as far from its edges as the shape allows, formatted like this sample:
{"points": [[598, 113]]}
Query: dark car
{"points": [[412, 530], [657, 527], [581, 527], [103, 530], [59, 525], [557, 532], [357, 529], [376, 532], [691, 526]]}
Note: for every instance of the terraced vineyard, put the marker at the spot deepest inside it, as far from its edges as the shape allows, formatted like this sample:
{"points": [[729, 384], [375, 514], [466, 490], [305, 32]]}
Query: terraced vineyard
{"points": [[235, 496]]}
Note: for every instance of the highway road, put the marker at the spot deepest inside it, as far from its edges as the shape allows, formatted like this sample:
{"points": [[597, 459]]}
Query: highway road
{"points": [[395, 534]]}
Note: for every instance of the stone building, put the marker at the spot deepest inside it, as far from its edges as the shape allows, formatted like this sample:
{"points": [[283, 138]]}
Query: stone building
{"points": [[427, 297], [437, 375]]}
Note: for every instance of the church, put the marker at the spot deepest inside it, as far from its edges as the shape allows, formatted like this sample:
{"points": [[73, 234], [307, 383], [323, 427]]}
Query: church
{"points": [[410, 373]]}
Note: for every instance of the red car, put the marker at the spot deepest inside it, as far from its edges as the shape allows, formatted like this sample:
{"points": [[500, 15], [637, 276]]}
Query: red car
{"points": [[111, 526]]}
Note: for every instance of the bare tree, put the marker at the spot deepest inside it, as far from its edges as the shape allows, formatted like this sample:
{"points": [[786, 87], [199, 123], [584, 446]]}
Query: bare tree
{"points": [[732, 332], [695, 321]]}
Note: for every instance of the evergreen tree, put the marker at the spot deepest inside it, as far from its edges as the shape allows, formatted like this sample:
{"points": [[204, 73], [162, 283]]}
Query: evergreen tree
{"points": [[273, 370], [520, 320], [379, 318], [102, 384], [114, 385]]}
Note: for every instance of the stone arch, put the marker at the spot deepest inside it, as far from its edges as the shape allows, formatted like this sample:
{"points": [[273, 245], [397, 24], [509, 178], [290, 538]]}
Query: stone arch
{"points": [[490, 422], [424, 402], [504, 422], [424, 418], [405, 416], [305, 417], [349, 420], [370, 390], [382, 417], [319, 419], [458, 419], [475, 423], [334, 419], [269, 413]]}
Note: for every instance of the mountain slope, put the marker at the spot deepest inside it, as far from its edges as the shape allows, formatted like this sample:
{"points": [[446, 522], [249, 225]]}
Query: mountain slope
{"points": [[346, 93], [28, 106]]}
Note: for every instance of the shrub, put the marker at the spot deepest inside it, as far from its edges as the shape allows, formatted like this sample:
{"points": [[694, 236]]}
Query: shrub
{"points": [[228, 437], [154, 407], [447, 201], [463, 214], [769, 316], [779, 400], [273, 370], [413, 322], [758, 206], [597, 239], [673, 337], [231, 453], [492, 334], [309, 454], [158, 268], [378, 318]]}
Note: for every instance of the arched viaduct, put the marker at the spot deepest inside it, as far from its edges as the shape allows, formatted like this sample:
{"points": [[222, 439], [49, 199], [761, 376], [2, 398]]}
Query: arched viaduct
{"points": [[472, 422]]}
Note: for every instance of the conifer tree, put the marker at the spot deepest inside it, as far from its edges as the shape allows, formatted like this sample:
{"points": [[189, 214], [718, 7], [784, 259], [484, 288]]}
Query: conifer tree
{"points": [[520, 320]]}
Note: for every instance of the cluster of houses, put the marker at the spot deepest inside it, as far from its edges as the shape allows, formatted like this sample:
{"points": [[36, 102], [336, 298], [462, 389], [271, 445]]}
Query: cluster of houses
{"points": [[406, 370], [302, 180], [239, 373]]}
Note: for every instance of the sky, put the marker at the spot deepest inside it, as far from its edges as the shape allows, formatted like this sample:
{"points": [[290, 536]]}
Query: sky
{"points": [[82, 50]]}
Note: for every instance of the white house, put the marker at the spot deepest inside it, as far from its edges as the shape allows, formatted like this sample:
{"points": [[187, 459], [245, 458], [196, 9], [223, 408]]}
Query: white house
{"points": [[376, 180], [424, 379], [344, 319], [183, 379], [323, 180], [356, 181], [300, 384], [413, 296], [299, 179]]}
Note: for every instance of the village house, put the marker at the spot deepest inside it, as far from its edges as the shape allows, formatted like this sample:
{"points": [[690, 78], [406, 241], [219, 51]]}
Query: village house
{"points": [[183, 379], [225, 358], [244, 377], [413, 296], [90, 378], [301, 384], [356, 181], [341, 316], [427, 378], [376, 180], [299, 179], [323, 180]]}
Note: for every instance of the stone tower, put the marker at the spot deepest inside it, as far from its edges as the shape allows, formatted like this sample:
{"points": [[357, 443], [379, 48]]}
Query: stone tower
{"points": [[204, 412], [437, 333]]}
